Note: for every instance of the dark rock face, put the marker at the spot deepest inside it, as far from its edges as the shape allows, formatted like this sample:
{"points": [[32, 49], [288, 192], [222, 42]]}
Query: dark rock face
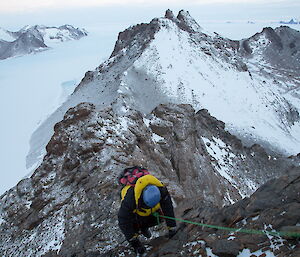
{"points": [[138, 36], [278, 47], [68, 206], [194, 140], [169, 15], [273, 206]]}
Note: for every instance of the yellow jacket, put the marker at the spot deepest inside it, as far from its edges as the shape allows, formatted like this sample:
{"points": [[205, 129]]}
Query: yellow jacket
{"points": [[141, 183]]}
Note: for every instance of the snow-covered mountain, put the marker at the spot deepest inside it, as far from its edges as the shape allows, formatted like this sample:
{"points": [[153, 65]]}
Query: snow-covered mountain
{"points": [[144, 106], [252, 85], [291, 21], [35, 38]]}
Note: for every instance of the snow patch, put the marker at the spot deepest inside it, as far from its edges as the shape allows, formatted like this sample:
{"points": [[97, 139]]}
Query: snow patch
{"points": [[247, 253], [191, 245], [56, 239], [194, 243], [147, 122], [157, 138], [250, 184], [209, 253], [275, 241], [221, 153], [123, 123], [228, 197]]}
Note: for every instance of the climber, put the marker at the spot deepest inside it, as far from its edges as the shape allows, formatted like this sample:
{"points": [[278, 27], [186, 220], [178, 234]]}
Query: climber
{"points": [[139, 201]]}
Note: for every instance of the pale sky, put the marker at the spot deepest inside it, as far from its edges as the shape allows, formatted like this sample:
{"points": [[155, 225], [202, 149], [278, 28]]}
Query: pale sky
{"points": [[14, 14], [17, 6], [28, 5]]}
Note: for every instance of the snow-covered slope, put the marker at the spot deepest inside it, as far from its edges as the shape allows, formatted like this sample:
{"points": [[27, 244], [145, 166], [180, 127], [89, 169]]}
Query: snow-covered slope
{"points": [[173, 60], [35, 38], [6, 35]]}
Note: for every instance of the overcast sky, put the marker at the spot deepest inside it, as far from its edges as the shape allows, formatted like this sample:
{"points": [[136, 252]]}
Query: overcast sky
{"points": [[15, 13], [33, 5]]}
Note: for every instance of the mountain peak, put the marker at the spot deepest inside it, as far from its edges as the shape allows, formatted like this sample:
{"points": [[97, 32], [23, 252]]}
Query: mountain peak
{"points": [[184, 20], [144, 32], [182, 15], [169, 15]]}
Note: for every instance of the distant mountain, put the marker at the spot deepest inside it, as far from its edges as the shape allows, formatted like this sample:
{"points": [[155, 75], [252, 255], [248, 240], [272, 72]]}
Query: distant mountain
{"points": [[35, 38], [292, 21]]}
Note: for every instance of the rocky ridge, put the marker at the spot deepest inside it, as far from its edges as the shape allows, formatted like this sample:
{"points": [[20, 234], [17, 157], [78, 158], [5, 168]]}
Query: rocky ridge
{"points": [[198, 68], [68, 206]]}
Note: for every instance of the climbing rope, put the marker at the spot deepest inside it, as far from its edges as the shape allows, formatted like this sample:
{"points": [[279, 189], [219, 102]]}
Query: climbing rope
{"points": [[240, 230]]}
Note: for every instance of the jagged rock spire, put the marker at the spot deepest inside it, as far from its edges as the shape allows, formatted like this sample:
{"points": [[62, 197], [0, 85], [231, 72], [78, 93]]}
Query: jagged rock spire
{"points": [[182, 15], [185, 18], [169, 15]]}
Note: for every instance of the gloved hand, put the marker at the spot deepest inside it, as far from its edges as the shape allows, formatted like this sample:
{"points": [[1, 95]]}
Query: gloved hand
{"points": [[172, 232], [137, 245]]}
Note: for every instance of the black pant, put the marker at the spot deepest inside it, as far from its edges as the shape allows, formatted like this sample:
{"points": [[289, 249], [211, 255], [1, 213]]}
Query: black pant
{"points": [[145, 222]]}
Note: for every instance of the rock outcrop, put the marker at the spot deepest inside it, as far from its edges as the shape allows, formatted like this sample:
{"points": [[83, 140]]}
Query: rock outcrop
{"points": [[273, 207], [68, 207]]}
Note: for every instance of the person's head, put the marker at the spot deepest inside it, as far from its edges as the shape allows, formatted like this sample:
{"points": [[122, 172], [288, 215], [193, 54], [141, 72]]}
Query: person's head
{"points": [[151, 196]]}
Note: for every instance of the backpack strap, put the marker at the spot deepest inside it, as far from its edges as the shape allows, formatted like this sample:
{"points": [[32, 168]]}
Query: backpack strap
{"points": [[124, 192]]}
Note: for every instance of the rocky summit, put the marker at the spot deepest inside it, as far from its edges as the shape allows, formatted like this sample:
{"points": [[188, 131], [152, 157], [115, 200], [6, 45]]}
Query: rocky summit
{"points": [[122, 115]]}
